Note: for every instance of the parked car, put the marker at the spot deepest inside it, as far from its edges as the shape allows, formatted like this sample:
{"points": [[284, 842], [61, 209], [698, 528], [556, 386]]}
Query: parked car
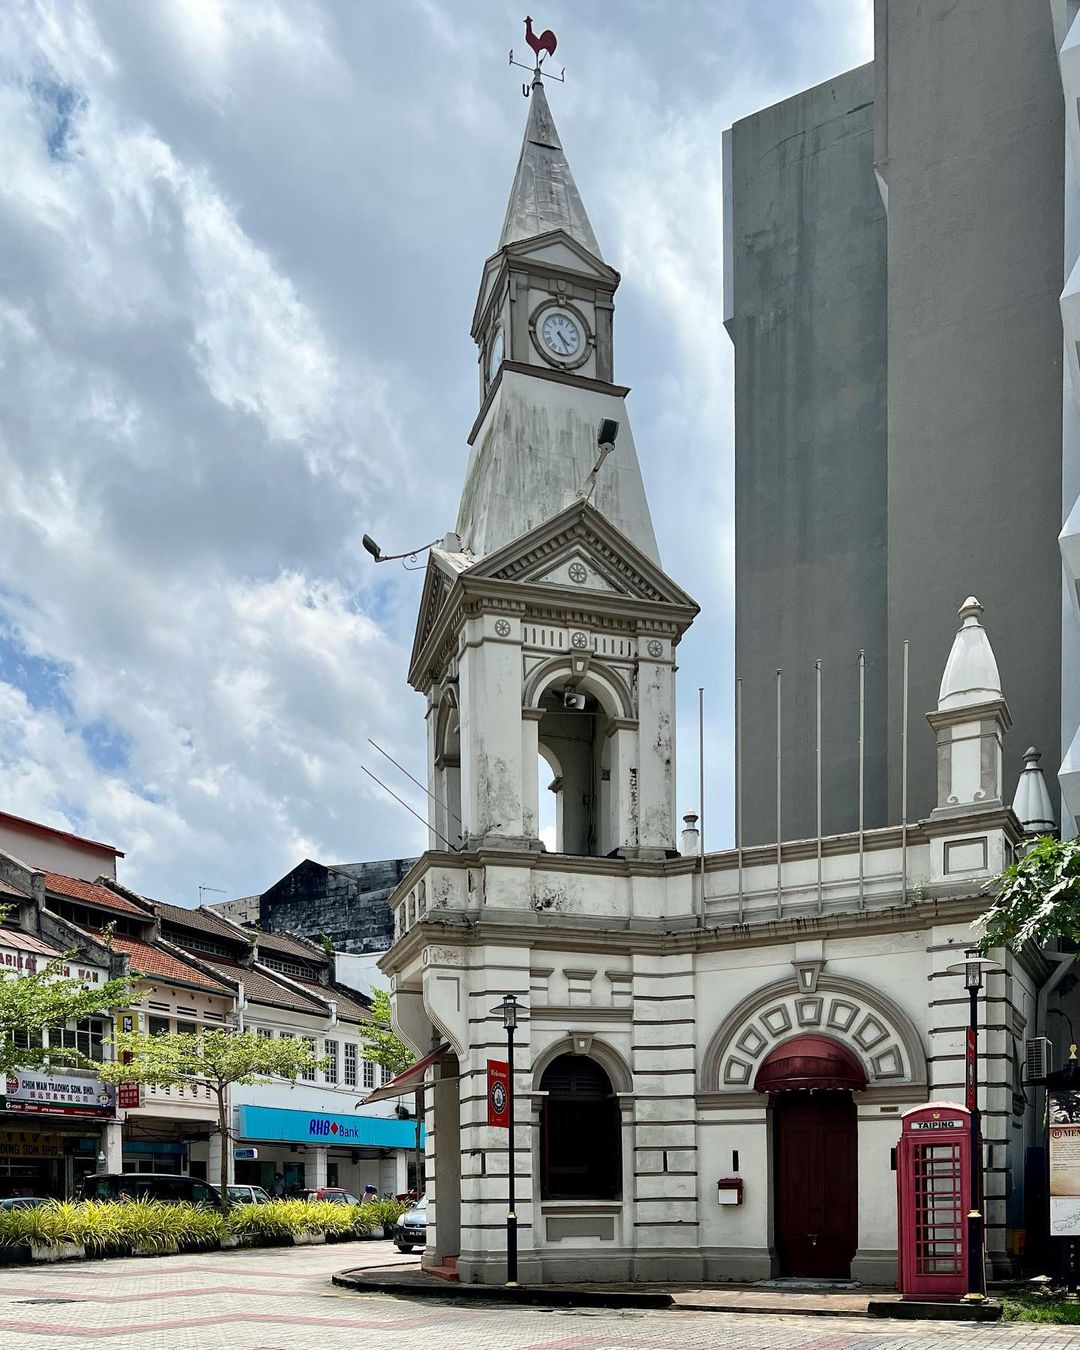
{"points": [[23, 1202], [334, 1194], [248, 1195], [411, 1229], [173, 1189]]}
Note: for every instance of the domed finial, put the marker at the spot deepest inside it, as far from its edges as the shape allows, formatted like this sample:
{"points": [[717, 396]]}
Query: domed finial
{"points": [[1032, 805], [971, 674]]}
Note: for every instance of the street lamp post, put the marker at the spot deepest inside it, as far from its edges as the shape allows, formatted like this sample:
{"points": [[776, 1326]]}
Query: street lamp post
{"points": [[973, 967], [509, 1009]]}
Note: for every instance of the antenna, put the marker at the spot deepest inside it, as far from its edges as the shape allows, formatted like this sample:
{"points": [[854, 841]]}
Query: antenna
{"points": [[216, 889]]}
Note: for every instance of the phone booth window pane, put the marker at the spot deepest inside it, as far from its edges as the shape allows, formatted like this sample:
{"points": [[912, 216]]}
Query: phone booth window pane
{"points": [[939, 1219]]}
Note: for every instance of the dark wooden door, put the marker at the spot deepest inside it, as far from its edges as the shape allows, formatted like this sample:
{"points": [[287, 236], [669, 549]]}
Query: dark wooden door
{"points": [[816, 1157]]}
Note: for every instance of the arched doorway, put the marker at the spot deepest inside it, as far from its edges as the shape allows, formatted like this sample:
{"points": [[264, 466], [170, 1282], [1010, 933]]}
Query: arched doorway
{"points": [[815, 1155]]}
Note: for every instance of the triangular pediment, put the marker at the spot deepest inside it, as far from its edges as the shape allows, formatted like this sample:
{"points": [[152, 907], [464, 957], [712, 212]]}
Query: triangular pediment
{"points": [[579, 550], [442, 570], [557, 248]]}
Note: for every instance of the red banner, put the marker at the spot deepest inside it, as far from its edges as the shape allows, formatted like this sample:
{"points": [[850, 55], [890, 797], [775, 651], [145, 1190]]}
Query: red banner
{"points": [[498, 1093], [970, 1065], [129, 1096]]}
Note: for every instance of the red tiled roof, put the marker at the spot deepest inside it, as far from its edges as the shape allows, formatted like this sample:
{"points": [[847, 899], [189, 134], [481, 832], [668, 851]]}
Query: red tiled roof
{"points": [[150, 960], [348, 1003], [199, 920], [288, 942], [91, 894], [61, 834]]}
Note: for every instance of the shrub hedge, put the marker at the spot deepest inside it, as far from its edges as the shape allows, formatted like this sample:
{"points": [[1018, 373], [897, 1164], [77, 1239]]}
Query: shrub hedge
{"points": [[105, 1227]]}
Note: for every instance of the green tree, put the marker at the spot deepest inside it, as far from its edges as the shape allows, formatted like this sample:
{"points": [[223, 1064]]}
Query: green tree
{"points": [[31, 1001], [216, 1057], [381, 1045], [1037, 898]]}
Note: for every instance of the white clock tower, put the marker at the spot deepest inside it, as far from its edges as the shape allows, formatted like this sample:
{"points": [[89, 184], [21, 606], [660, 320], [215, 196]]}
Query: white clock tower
{"points": [[547, 629]]}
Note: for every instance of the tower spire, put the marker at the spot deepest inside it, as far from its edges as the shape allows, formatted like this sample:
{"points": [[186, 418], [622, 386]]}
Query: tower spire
{"points": [[544, 196]]}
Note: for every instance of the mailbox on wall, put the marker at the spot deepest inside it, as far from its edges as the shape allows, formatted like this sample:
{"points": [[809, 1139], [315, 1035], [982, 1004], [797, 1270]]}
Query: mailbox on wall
{"points": [[729, 1191], [933, 1197]]}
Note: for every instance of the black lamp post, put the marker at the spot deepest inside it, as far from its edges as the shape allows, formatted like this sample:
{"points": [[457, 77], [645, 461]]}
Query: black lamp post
{"points": [[973, 968], [510, 1008]]}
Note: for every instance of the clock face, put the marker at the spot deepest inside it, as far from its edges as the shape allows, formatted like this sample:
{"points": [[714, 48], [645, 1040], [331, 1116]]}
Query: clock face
{"points": [[561, 335], [495, 356]]}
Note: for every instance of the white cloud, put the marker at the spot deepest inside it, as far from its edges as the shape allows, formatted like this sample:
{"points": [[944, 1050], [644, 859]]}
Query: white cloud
{"points": [[239, 243]]}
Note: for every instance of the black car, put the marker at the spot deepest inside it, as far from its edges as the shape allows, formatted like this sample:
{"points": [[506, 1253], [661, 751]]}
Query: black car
{"points": [[411, 1229], [173, 1189]]}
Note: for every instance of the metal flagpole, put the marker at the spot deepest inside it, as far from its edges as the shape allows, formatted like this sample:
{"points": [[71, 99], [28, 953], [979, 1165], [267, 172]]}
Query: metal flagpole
{"points": [[701, 798], [738, 789], [779, 902], [903, 777], [817, 773], [862, 776]]}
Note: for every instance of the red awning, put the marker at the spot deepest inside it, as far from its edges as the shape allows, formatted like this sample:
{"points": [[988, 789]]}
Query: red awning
{"points": [[810, 1063], [409, 1080]]}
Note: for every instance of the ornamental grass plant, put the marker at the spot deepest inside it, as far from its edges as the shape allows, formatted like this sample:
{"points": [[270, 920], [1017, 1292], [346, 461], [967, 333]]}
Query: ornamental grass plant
{"points": [[108, 1227]]}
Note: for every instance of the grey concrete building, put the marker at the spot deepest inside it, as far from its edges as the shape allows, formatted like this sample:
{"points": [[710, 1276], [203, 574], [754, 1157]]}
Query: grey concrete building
{"points": [[893, 264], [345, 902]]}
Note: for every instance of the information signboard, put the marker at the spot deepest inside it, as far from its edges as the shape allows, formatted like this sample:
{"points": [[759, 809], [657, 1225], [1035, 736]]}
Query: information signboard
{"points": [[498, 1093], [1064, 1111]]}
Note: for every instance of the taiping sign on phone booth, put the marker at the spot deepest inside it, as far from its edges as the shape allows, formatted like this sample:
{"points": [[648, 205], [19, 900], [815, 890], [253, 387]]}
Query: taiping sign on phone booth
{"points": [[933, 1197], [498, 1093]]}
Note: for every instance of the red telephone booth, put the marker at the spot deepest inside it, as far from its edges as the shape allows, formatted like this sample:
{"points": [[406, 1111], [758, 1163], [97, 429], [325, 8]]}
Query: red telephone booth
{"points": [[933, 1197]]}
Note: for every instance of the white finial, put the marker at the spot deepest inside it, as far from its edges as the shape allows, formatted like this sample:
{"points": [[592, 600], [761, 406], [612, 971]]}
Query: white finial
{"points": [[1031, 804], [971, 672]]}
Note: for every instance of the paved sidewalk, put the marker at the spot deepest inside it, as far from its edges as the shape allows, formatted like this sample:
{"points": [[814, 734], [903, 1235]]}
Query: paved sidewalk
{"points": [[282, 1299]]}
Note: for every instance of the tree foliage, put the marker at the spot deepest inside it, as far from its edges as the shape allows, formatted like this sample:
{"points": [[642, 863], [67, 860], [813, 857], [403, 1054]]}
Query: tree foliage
{"points": [[216, 1057], [31, 1001], [381, 1045], [1037, 897]]}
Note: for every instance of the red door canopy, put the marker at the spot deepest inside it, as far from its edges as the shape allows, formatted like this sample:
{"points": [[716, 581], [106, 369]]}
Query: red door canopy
{"points": [[810, 1063]]}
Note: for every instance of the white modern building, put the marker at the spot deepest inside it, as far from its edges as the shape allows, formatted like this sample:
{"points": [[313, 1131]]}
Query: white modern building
{"points": [[759, 1017]]}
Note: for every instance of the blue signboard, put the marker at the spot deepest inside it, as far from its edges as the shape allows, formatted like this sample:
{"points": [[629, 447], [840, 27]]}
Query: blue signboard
{"points": [[315, 1127]]}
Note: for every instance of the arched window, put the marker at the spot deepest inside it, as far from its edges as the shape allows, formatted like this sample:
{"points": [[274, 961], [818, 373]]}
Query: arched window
{"points": [[574, 742], [580, 1138]]}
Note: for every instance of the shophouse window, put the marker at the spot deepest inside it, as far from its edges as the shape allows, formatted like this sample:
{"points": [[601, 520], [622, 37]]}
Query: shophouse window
{"points": [[85, 1038], [350, 1065], [187, 1028], [265, 1032], [330, 1049], [384, 1074], [369, 1074], [158, 1026], [309, 1074], [580, 1135], [26, 1040]]}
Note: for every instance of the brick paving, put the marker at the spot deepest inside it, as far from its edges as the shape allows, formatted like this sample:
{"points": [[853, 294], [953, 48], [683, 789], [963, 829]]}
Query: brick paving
{"points": [[281, 1299]]}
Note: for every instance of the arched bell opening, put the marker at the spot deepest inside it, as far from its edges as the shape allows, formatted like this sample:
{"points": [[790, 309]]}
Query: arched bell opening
{"points": [[574, 743]]}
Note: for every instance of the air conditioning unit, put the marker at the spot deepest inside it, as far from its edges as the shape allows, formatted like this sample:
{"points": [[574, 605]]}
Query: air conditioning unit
{"points": [[1038, 1059]]}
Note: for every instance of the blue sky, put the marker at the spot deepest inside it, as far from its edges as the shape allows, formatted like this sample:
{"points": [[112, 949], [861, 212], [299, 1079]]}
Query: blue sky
{"points": [[240, 242]]}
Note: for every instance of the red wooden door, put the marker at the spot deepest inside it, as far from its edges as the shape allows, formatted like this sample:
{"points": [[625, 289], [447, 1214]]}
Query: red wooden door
{"points": [[816, 1157]]}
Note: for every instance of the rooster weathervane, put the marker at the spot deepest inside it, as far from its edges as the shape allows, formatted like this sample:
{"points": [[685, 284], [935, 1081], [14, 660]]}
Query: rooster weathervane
{"points": [[543, 45]]}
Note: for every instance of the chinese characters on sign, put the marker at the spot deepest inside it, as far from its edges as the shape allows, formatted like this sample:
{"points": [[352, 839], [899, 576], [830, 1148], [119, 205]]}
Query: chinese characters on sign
{"points": [[128, 1096], [1064, 1110], [56, 1094]]}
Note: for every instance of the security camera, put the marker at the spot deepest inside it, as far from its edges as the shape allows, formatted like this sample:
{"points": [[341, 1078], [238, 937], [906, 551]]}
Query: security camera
{"points": [[607, 431]]}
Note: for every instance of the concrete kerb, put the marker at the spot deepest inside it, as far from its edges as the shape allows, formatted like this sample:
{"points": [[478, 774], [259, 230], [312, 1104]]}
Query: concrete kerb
{"points": [[680, 1298]]}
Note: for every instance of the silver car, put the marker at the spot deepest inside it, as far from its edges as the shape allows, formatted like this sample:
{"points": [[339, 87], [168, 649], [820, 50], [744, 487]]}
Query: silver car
{"points": [[248, 1195]]}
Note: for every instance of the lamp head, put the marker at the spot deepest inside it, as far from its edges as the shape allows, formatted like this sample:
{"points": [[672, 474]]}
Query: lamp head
{"points": [[373, 548], [607, 431]]}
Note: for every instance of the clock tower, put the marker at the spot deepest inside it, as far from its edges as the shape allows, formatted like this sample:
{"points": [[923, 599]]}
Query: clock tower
{"points": [[543, 331], [545, 644]]}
